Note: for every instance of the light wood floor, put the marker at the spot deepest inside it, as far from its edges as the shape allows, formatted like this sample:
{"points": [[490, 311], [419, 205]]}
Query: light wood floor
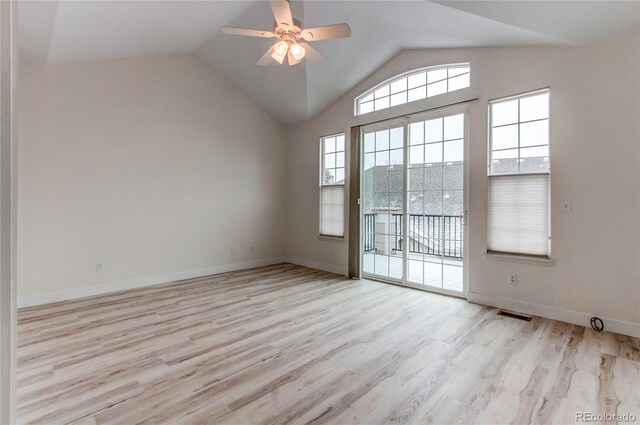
{"points": [[286, 344]]}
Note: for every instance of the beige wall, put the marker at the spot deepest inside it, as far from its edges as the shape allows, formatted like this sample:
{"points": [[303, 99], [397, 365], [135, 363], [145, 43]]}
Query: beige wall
{"points": [[152, 166], [595, 155]]}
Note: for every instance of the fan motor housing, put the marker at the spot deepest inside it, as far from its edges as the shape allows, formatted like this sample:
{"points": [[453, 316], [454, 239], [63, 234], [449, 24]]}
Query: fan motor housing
{"points": [[285, 32]]}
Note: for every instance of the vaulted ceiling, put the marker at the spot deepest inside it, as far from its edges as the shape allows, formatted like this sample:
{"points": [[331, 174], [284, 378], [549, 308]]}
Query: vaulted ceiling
{"points": [[74, 31]]}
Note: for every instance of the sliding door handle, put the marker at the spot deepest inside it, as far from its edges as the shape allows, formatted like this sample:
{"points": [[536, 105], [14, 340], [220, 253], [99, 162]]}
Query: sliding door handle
{"points": [[463, 217]]}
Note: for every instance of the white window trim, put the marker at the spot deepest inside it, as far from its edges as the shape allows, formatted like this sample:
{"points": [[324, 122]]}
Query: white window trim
{"points": [[321, 236], [389, 81], [521, 257]]}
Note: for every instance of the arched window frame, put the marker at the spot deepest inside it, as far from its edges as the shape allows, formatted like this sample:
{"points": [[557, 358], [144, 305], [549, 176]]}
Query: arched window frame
{"points": [[420, 89]]}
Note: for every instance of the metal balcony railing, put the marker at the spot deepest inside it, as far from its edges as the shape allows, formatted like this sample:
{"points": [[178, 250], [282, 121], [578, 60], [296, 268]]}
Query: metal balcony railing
{"points": [[440, 235]]}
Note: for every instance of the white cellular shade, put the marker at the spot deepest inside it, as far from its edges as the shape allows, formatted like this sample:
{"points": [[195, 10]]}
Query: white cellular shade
{"points": [[332, 210], [518, 219]]}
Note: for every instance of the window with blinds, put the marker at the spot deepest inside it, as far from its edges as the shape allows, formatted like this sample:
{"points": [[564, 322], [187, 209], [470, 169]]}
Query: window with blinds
{"points": [[518, 205], [332, 178]]}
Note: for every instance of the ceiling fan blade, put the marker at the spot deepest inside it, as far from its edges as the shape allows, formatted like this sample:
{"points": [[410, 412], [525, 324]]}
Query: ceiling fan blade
{"points": [[291, 59], [246, 31], [266, 59], [327, 32], [282, 12], [314, 56]]}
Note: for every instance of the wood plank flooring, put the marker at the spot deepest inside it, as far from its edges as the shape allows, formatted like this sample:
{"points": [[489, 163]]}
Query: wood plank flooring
{"points": [[287, 344]]}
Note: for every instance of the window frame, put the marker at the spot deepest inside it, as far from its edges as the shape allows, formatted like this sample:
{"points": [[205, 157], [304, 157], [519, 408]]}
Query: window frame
{"points": [[322, 184], [405, 75], [515, 256]]}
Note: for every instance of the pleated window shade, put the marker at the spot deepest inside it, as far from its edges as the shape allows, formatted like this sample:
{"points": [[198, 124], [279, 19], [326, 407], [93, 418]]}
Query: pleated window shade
{"points": [[332, 210], [518, 219]]}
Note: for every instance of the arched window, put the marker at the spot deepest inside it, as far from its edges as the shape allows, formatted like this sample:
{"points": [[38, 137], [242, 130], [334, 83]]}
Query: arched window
{"points": [[414, 85]]}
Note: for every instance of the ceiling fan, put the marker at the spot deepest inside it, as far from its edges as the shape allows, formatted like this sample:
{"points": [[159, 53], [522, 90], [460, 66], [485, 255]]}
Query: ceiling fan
{"points": [[289, 31]]}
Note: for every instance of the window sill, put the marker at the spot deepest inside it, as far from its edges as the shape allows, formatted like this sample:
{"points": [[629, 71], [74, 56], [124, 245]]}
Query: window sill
{"points": [[331, 238], [527, 259]]}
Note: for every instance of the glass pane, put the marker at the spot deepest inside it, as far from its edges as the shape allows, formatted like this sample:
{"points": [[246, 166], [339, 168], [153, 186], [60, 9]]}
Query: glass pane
{"points": [[534, 107], [382, 158], [457, 71], [437, 88], [399, 98], [369, 160], [382, 92], [329, 176], [504, 137], [395, 186], [415, 272], [454, 127], [433, 273], [433, 153], [437, 75], [453, 177], [433, 177], [415, 202], [534, 160], [395, 265], [381, 184], [340, 159], [415, 178], [459, 82], [454, 151], [330, 160], [368, 256], [396, 157], [433, 202], [365, 107], [416, 133], [452, 276], [433, 129], [395, 141], [534, 133], [339, 143], [453, 204], [505, 162], [382, 140], [329, 144], [339, 175], [417, 93], [398, 86], [417, 80], [367, 98], [504, 113], [416, 155], [369, 142], [382, 103]]}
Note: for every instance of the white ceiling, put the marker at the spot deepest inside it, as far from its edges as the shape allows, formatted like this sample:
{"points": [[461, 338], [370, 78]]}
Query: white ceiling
{"points": [[73, 31]]}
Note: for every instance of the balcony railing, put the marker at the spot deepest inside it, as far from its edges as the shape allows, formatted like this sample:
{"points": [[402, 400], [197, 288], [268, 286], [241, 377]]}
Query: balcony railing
{"points": [[440, 235]]}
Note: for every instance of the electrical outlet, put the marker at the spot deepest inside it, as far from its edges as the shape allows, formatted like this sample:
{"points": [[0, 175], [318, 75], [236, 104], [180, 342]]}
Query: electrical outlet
{"points": [[565, 206], [513, 279], [233, 251], [252, 248], [99, 267]]}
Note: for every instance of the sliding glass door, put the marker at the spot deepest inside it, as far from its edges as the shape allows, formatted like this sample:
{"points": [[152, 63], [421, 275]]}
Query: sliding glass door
{"points": [[413, 201]]}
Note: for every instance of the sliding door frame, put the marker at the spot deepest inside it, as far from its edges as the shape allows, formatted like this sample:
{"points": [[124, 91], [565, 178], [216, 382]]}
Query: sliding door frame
{"points": [[405, 121]]}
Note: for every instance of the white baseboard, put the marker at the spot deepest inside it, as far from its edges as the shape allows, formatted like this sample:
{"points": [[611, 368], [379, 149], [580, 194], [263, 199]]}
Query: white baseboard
{"points": [[331, 268], [612, 325], [71, 294]]}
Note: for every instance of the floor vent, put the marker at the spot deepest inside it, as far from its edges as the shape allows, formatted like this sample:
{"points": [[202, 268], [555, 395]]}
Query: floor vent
{"points": [[514, 315]]}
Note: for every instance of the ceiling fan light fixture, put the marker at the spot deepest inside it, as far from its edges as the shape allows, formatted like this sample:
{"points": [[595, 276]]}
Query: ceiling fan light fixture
{"points": [[297, 51], [281, 48]]}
